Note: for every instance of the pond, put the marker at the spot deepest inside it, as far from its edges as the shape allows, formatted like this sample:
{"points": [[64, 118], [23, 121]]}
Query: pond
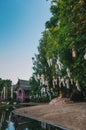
{"points": [[10, 121]]}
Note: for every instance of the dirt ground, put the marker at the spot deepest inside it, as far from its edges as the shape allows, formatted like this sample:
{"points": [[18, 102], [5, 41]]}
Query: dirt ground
{"points": [[69, 115]]}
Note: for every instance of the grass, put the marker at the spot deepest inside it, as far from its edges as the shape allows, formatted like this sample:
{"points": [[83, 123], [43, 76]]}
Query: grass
{"points": [[7, 106]]}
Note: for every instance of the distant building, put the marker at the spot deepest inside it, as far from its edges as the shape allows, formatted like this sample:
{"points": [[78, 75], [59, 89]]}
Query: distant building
{"points": [[22, 90]]}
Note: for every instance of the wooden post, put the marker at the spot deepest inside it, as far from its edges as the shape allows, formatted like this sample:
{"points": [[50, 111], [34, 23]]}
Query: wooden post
{"points": [[4, 93], [11, 92]]}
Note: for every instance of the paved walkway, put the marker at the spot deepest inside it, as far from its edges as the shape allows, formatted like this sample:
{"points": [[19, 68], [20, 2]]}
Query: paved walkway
{"points": [[71, 116]]}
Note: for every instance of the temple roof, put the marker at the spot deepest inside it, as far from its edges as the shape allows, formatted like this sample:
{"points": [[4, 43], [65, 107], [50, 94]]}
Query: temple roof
{"points": [[24, 84]]}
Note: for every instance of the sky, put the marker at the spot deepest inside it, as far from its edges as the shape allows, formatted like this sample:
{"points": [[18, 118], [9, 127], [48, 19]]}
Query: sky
{"points": [[21, 25]]}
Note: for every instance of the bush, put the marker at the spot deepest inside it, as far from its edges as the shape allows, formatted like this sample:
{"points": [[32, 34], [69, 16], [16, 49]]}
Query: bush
{"points": [[43, 99], [77, 96]]}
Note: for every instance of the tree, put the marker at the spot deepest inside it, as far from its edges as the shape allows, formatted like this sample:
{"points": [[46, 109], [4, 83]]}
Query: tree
{"points": [[63, 44], [72, 38], [7, 84]]}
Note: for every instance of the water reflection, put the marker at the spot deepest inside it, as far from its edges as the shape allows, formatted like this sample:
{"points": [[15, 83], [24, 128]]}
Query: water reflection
{"points": [[10, 121], [3, 115], [10, 126]]}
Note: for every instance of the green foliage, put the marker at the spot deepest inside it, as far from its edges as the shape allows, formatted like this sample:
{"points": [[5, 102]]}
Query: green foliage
{"points": [[65, 32], [43, 99], [54, 19], [72, 28], [7, 84]]}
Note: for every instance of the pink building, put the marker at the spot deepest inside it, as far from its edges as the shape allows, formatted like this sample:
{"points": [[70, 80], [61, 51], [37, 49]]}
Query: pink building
{"points": [[23, 89]]}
